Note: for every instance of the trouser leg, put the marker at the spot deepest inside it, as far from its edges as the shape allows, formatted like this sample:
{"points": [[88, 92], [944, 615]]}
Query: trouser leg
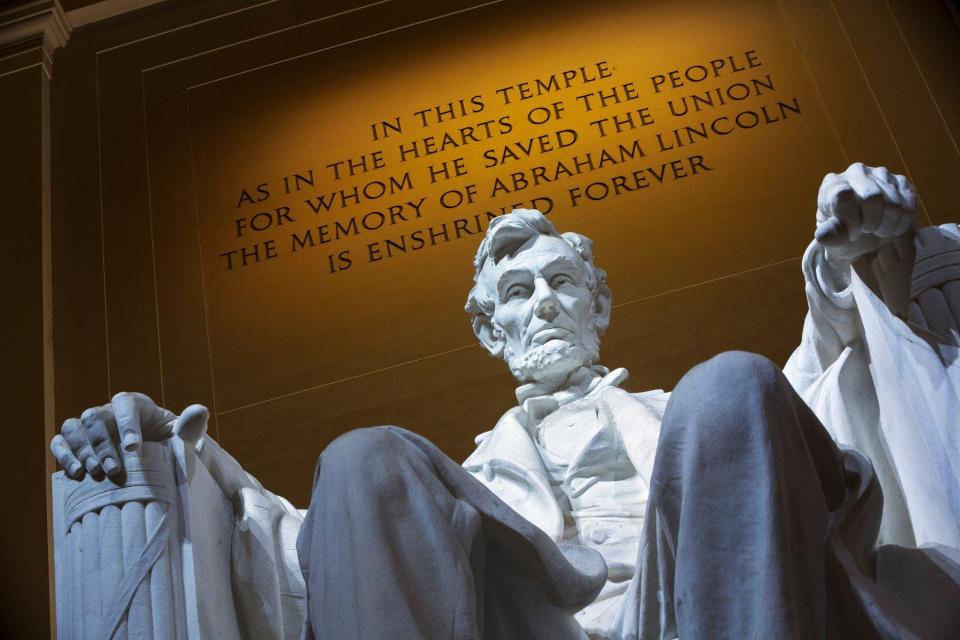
{"points": [[400, 542], [744, 483]]}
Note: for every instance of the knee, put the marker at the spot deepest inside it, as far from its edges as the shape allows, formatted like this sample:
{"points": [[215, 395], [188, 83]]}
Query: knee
{"points": [[363, 470], [361, 441], [731, 375], [365, 452], [739, 367], [716, 399]]}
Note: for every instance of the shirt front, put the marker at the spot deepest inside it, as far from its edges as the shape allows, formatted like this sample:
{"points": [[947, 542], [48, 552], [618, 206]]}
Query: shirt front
{"points": [[601, 493]]}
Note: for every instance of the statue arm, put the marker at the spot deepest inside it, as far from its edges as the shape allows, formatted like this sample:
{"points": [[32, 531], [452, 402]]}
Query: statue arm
{"points": [[269, 590], [865, 228], [865, 220], [229, 475]]}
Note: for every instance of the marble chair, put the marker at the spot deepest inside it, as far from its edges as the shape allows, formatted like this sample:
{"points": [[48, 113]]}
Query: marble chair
{"points": [[164, 551]]}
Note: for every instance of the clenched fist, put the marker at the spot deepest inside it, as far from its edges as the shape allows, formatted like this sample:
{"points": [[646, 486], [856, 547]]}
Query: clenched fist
{"points": [[861, 210], [865, 222]]}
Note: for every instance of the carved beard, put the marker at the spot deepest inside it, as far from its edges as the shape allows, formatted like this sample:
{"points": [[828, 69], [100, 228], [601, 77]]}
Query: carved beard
{"points": [[552, 363]]}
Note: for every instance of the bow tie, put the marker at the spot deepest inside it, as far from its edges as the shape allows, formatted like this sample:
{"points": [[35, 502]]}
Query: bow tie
{"points": [[538, 402]]}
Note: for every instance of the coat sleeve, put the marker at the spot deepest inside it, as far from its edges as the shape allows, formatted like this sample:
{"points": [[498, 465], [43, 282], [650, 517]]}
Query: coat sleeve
{"points": [[831, 326], [830, 370], [269, 593]]}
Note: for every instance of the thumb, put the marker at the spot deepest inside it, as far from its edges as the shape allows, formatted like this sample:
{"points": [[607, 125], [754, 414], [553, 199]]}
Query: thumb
{"points": [[831, 233], [191, 426]]}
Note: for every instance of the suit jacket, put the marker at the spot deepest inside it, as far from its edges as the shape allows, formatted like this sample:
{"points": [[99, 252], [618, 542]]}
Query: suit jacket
{"points": [[598, 498]]}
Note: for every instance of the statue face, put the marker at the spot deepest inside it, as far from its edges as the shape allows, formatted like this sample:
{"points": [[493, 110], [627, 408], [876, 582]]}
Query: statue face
{"points": [[545, 314]]}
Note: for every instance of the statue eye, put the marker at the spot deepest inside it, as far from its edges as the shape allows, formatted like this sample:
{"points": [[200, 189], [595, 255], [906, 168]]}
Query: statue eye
{"points": [[559, 280], [515, 291]]}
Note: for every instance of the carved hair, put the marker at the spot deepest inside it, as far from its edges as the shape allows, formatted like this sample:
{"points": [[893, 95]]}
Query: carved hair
{"points": [[505, 236]]}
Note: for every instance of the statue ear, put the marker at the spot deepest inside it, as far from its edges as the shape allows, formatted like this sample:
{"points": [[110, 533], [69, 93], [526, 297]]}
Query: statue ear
{"points": [[488, 335], [602, 301]]}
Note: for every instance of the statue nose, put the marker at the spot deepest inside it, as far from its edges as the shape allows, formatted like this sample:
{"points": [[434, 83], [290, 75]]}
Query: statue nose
{"points": [[547, 310], [546, 303]]}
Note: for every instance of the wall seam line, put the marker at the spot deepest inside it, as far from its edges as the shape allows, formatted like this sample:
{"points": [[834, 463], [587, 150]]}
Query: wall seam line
{"points": [[923, 78], [876, 101]]}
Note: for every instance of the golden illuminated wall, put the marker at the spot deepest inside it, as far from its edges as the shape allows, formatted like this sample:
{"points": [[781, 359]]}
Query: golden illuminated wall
{"points": [[207, 227]]}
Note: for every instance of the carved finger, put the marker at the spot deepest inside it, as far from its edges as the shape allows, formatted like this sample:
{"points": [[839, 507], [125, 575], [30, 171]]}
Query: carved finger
{"points": [[832, 183], [831, 233], [862, 180], [104, 413], [890, 221], [888, 185], [827, 187], [855, 166], [906, 221], [126, 412], [164, 428], [908, 197], [846, 209], [192, 423], [138, 416], [858, 175], [76, 436], [65, 458], [872, 210], [882, 176], [101, 440], [157, 423], [864, 245]]}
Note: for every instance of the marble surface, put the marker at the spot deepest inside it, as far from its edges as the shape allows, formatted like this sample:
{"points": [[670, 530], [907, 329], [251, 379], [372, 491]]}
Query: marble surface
{"points": [[877, 363]]}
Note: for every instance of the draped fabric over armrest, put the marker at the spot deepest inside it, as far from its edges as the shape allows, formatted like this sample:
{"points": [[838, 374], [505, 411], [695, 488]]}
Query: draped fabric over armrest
{"points": [[891, 387]]}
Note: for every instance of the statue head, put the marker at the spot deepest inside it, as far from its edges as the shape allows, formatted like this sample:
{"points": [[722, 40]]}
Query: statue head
{"points": [[538, 301]]}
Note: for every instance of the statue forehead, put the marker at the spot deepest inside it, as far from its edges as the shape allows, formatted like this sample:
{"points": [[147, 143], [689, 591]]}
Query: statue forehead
{"points": [[535, 254]]}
